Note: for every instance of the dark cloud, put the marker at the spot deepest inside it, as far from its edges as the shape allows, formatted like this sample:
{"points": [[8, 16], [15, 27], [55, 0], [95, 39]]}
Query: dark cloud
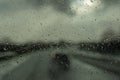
{"points": [[62, 5], [107, 6], [37, 2], [59, 5], [110, 2]]}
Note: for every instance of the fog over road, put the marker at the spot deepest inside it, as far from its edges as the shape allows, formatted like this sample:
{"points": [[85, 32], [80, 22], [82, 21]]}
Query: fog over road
{"points": [[36, 67]]}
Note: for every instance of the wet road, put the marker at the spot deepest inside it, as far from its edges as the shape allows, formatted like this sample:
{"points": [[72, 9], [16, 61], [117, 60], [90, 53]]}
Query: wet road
{"points": [[38, 65]]}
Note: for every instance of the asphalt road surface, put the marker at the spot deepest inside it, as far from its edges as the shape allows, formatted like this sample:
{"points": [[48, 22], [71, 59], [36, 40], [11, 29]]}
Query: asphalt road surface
{"points": [[37, 66]]}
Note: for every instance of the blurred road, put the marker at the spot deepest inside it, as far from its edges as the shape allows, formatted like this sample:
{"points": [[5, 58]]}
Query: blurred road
{"points": [[37, 66]]}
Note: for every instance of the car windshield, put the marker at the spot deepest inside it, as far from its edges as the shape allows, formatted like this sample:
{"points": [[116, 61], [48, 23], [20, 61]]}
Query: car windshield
{"points": [[59, 39]]}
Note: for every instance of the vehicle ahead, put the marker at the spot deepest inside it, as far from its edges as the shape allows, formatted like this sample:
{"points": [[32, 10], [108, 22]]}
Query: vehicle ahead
{"points": [[60, 65], [62, 60]]}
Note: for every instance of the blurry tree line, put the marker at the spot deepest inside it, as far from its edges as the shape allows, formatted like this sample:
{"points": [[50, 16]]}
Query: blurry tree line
{"points": [[8, 46], [109, 44]]}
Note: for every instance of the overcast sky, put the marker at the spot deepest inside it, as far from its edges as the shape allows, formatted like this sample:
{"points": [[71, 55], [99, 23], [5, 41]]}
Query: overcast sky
{"points": [[51, 20]]}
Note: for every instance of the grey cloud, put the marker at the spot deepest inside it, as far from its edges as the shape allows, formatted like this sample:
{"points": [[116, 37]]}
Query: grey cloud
{"points": [[5, 6], [62, 5], [36, 3], [59, 5], [110, 2], [107, 6]]}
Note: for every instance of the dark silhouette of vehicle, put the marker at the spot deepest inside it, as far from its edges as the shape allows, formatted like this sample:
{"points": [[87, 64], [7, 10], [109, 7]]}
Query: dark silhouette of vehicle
{"points": [[62, 60], [60, 65]]}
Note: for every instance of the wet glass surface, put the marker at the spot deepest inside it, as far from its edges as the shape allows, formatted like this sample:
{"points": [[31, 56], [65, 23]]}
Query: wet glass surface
{"points": [[59, 40]]}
